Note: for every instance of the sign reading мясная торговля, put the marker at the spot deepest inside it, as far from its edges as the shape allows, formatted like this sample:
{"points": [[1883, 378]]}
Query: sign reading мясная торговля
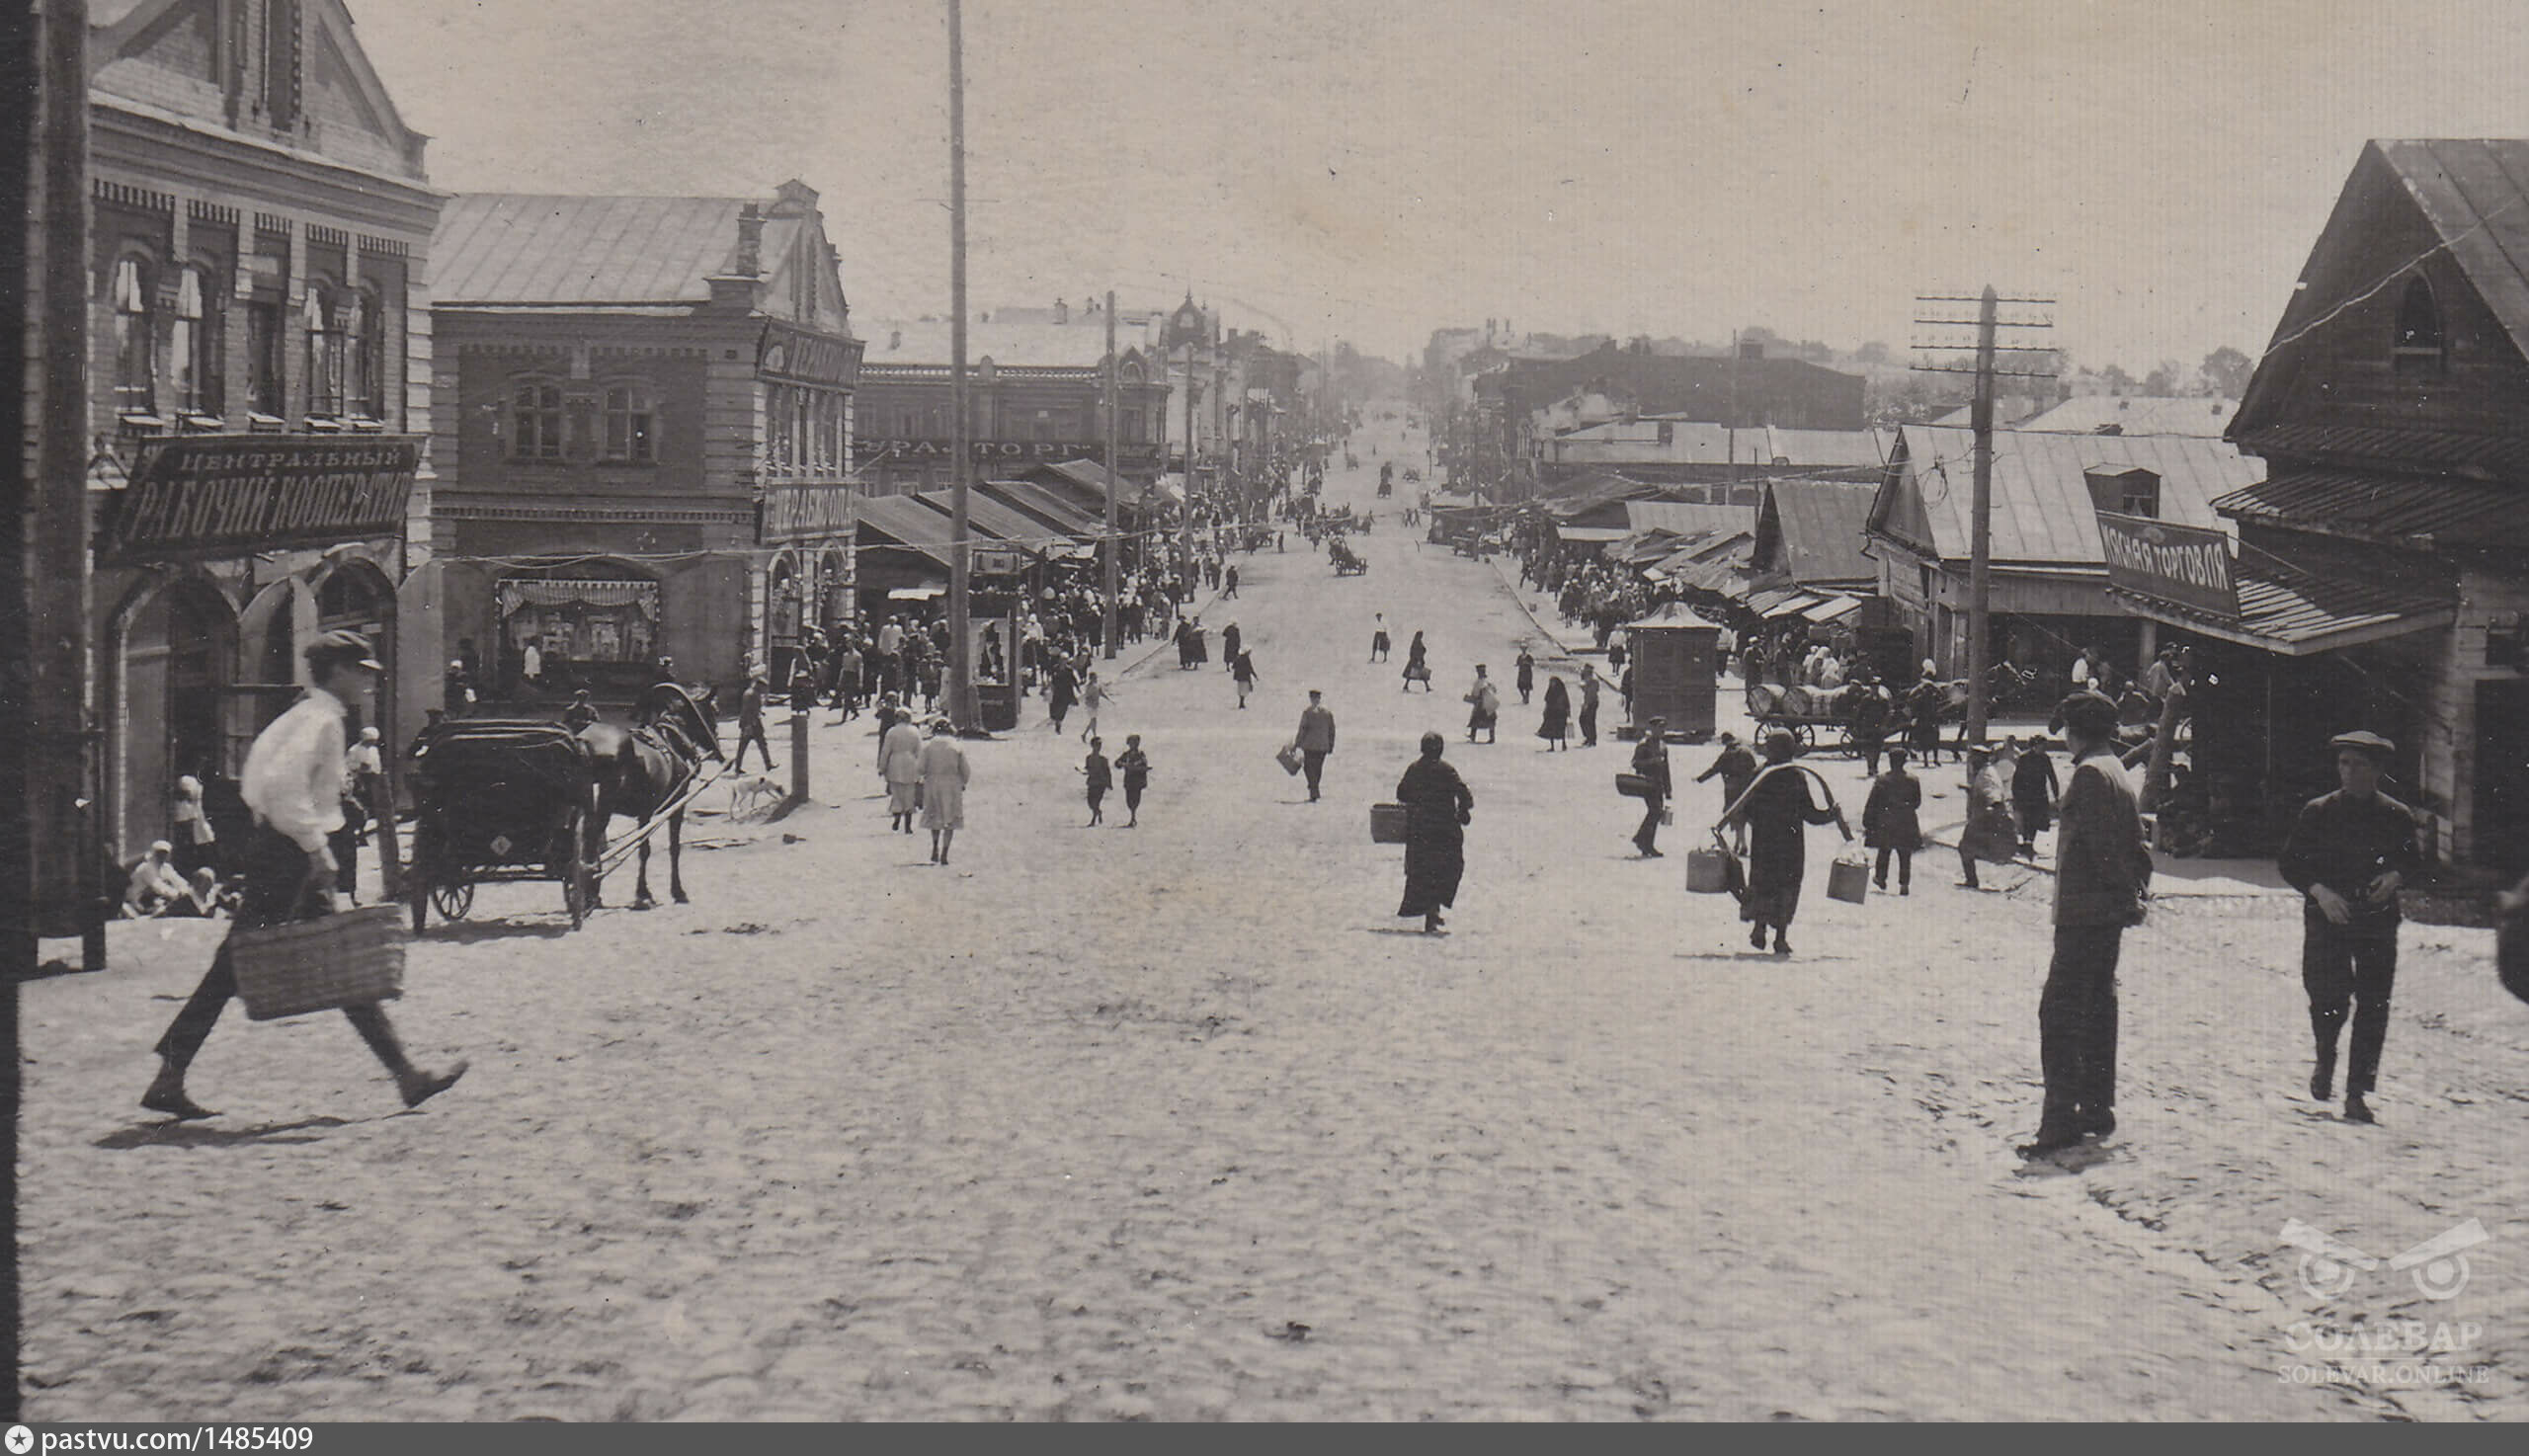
{"points": [[206, 496]]}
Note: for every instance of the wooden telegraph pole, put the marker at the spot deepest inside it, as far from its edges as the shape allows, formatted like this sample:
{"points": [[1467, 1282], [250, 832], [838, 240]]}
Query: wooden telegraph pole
{"points": [[1987, 322], [961, 679], [1112, 547]]}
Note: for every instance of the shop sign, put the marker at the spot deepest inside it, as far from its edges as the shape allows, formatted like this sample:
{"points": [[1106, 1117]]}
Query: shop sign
{"points": [[2186, 566], [873, 449], [793, 513], [208, 496]]}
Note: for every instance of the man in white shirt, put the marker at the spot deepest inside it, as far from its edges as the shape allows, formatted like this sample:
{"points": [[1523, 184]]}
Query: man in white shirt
{"points": [[293, 783], [155, 885]]}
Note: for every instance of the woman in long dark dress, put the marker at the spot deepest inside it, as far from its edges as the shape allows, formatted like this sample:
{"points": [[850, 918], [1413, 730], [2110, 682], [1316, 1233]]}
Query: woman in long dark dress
{"points": [[1775, 808], [1437, 807], [1555, 727], [1416, 668]]}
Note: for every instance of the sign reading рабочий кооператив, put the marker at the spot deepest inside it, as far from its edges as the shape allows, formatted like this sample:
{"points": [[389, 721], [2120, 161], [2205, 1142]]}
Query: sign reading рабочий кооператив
{"points": [[206, 496]]}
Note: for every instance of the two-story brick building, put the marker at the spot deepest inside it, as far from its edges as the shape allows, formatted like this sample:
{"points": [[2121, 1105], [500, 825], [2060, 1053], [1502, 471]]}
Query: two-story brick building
{"points": [[2382, 573], [261, 220], [646, 435]]}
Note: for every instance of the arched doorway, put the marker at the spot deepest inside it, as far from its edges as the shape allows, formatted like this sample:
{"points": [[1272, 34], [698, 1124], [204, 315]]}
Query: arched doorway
{"points": [[355, 596], [784, 610], [179, 653], [597, 624]]}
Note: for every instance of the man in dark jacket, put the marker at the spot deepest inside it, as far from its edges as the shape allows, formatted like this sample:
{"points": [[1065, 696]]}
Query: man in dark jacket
{"points": [[1737, 769], [1650, 761], [2347, 853], [2102, 871], [1315, 739]]}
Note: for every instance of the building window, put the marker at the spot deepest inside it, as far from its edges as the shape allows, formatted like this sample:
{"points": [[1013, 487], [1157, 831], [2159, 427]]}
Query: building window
{"points": [[2418, 346], [2139, 493], [135, 380], [365, 356], [630, 436], [193, 345], [535, 423], [325, 337], [264, 343]]}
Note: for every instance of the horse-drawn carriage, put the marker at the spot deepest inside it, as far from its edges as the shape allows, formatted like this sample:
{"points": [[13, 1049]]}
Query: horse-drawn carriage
{"points": [[502, 799], [1347, 561]]}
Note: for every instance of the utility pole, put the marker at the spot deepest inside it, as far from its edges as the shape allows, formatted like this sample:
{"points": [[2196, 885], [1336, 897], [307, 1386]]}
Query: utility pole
{"points": [[1186, 543], [1980, 562], [962, 680], [1114, 482], [51, 878], [1729, 436]]}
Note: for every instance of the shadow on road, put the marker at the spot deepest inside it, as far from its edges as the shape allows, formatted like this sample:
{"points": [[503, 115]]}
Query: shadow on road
{"points": [[470, 932], [202, 1135]]}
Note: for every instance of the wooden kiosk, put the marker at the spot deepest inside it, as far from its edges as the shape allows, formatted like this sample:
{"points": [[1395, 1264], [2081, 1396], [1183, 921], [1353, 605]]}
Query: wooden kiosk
{"points": [[1676, 658]]}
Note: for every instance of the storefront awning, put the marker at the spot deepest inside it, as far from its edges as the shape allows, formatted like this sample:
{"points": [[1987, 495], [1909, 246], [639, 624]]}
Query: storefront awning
{"points": [[643, 596], [916, 594]]}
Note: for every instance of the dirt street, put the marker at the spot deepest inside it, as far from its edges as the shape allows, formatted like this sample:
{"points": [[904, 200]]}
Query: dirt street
{"points": [[1180, 1122]]}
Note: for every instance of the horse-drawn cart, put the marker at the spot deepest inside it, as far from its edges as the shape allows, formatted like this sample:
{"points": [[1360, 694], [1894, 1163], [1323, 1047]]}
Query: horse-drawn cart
{"points": [[1808, 714], [502, 799], [1347, 561]]}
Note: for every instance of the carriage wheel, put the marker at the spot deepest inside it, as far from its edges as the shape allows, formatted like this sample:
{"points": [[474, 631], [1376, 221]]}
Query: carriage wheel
{"points": [[453, 900], [1803, 735]]}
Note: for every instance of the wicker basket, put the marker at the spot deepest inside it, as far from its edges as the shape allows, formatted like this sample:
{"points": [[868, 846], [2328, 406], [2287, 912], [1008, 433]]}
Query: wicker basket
{"points": [[1387, 824], [320, 965]]}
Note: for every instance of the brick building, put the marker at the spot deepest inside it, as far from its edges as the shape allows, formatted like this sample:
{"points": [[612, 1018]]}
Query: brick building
{"points": [[1036, 382], [261, 220], [647, 440]]}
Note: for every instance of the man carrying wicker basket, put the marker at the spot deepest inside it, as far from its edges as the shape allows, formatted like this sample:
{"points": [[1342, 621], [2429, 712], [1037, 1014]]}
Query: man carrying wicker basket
{"points": [[293, 781]]}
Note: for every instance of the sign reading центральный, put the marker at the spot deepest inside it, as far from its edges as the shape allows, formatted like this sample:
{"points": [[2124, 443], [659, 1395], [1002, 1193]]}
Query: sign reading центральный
{"points": [[2184, 565], [205, 496]]}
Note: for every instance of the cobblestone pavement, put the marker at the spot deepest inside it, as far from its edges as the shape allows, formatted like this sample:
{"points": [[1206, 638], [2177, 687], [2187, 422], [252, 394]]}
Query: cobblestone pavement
{"points": [[1173, 1122]]}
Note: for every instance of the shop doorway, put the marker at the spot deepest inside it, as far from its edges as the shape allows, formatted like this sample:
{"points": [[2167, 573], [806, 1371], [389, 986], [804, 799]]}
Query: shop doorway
{"points": [[180, 651]]}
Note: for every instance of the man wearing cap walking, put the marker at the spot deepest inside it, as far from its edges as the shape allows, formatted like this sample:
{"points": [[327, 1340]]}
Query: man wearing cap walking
{"points": [[2103, 871], [2348, 853], [1735, 768], [1315, 739], [293, 783]]}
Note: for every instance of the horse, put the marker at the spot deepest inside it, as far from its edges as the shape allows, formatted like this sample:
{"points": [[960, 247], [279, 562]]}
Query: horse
{"points": [[649, 766]]}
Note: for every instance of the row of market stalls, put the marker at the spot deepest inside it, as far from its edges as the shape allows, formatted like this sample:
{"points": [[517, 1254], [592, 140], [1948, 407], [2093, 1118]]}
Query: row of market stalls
{"points": [[1050, 517]]}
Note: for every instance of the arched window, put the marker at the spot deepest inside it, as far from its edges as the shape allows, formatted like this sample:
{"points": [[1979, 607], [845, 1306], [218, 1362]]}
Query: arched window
{"points": [[193, 345], [631, 430], [135, 378], [324, 353], [535, 422], [2417, 348]]}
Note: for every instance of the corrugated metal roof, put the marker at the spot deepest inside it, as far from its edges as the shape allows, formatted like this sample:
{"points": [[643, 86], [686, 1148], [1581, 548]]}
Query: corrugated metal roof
{"points": [[2042, 510], [1599, 534], [2134, 414], [2423, 511], [2296, 612], [2397, 448], [1029, 341], [1684, 517], [990, 517], [1813, 530], [527, 248]]}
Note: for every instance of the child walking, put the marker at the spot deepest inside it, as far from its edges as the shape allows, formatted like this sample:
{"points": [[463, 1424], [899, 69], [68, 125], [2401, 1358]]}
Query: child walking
{"points": [[1100, 780], [1136, 769]]}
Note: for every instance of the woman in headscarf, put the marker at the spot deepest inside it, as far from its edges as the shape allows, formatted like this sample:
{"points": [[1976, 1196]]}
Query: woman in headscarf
{"points": [[1415, 664], [1989, 833], [1775, 808], [1437, 808], [900, 763], [944, 788], [1555, 727]]}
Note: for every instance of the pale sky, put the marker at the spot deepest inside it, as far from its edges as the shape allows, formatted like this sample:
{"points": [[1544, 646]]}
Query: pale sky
{"points": [[1374, 169]]}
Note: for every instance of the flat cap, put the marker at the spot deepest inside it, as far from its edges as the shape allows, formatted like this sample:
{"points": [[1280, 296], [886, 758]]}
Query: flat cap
{"points": [[2364, 742], [345, 646]]}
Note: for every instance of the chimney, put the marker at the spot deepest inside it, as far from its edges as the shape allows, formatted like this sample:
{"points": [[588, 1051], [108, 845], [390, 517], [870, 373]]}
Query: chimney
{"points": [[750, 261], [1062, 311]]}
